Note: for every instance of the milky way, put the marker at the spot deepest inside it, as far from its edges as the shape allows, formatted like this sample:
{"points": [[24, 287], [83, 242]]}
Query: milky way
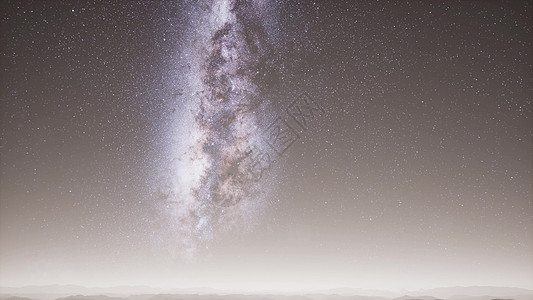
{"points": [[212, 183], [135, 139]]}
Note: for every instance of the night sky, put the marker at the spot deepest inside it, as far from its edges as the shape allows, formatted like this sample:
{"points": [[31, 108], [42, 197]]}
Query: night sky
{"points": [[267, 144]]}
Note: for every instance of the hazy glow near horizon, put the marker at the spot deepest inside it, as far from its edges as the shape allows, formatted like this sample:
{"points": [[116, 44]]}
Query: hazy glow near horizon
{"points": [[266, 145]]}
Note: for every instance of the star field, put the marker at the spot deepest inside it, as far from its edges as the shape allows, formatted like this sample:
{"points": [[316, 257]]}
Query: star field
{"points": [[126, 128]]}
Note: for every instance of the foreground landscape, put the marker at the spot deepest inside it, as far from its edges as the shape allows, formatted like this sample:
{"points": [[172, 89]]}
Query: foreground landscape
{"points": [[71, 292]]}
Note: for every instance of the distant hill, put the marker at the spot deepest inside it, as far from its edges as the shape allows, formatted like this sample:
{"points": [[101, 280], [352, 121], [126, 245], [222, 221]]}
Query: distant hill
{"points": [[475, 291], [371, 294], [92, 297], [9, 297], [416, 298], [516, 297], [68, 290], [73, 292]]}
